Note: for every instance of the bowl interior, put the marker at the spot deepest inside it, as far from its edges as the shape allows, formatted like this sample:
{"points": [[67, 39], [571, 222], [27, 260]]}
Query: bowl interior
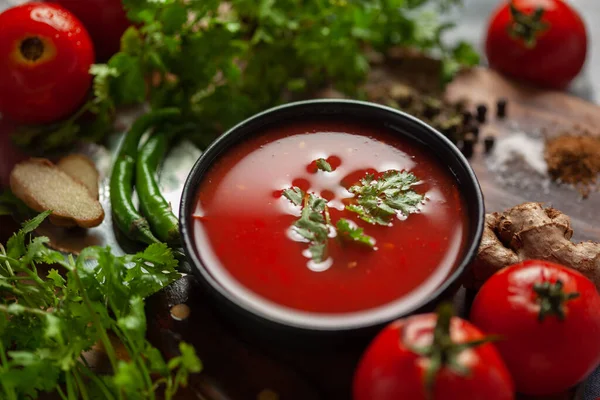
{"points": [[378, 116]]}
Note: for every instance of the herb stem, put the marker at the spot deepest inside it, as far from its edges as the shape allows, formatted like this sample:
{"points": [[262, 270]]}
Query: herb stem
{"points": [[9, 391], [70, 394], [80, 384], [61, 393], [134, 353], [8, 267], [30, 310], [9, 259], [101, 385], [108, 347]]}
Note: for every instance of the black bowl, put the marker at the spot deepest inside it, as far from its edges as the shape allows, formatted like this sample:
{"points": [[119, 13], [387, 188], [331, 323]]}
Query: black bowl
{"points": [[271, 323]]}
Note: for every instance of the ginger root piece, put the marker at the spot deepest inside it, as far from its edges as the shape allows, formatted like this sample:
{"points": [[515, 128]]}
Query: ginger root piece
{"points": [[43, 186], [530, 231], [82, 169]]}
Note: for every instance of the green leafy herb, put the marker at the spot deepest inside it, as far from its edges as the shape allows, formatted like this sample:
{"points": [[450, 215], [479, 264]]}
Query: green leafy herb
{"points": [[313, 224], [13, 206], [295, 195], [323, 165], [48, 321], [379, 200], [221, 63], [346, 231]]}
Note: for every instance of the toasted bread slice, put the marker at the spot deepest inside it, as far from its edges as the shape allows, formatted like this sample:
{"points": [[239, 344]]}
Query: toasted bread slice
{"points": [[43, 186], [82, 169]]}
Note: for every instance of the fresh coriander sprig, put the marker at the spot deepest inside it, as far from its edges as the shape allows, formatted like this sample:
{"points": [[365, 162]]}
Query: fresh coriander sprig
{"points": [[48, 321], [377, 201], [313, 224], [346, 231]]}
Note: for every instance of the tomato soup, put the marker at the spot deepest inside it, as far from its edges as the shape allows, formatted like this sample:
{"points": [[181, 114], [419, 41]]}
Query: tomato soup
{"points": [[243, 225]]}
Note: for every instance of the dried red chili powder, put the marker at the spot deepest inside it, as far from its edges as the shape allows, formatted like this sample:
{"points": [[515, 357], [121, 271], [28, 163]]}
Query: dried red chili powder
{"points": [[574, 159]]}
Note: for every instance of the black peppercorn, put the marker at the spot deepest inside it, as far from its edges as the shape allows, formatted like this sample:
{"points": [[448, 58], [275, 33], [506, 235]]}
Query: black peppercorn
{"points": [[501, 108], [467, 117], [489, 143], [468, 144], [481, 113]]}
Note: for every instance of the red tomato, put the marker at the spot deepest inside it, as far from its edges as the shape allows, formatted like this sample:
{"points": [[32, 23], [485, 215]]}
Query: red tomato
{"points": [[392, 369], [558, 42], [45, 56], [105, 20], [544, 356]]}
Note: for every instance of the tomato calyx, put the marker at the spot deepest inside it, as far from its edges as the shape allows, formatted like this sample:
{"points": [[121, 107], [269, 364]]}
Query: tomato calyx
{"points": [[552, 298], [443, 351], [32, 48], [526, 27]]}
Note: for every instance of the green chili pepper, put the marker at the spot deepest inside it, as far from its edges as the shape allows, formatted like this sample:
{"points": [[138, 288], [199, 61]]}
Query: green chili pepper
{"points": [[125, 215], [153, 205]]}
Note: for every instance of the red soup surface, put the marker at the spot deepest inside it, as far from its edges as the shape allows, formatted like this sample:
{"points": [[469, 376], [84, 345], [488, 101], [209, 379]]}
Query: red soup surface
{"points": [[242, 222]]}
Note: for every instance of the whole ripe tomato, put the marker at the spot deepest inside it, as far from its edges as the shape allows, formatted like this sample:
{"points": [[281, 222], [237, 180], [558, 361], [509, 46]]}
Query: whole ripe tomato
{"points": [[549, 317], [105, 20], [408, 360], [45, 56], [543, 42]]}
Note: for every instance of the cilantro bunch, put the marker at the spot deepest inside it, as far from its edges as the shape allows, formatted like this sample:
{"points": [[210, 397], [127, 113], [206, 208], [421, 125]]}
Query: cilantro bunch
{"points": [[48, 320], [220, 62]]}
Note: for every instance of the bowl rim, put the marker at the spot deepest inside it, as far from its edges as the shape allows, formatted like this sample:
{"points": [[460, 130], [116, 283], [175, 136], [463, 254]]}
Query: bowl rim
{"points": [[189, 196]]}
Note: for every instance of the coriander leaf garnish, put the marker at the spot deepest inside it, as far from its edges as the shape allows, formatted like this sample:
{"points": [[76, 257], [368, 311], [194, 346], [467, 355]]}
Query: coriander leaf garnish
{"points": [[346, 231], [318, 251], [323, 165], [295, 195], [379, 200], [313, 224]]}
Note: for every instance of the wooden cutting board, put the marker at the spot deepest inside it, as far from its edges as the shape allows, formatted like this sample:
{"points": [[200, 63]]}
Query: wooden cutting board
{"points": [[238, 368]]}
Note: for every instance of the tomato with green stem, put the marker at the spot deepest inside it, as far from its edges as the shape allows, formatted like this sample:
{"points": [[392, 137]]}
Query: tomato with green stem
{"points": [[549, 318], [432, 357], [45, 54], [542, 42]]}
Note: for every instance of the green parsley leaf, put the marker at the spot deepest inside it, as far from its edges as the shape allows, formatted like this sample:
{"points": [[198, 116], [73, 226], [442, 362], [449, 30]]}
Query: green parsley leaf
{"points": [[16, 244], [323, 165], [348, 231], [377, 201], [189, 359], [295, 195], [48, 322], [173, 18], [102, 76], [131, 41], [129, 86], [313, 224]]}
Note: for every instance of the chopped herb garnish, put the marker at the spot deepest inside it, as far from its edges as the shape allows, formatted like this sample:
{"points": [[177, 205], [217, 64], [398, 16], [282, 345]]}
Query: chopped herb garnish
{"points": [[295, 195], [379, 200], [313, 224], [323, 165], [346, 231]]}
